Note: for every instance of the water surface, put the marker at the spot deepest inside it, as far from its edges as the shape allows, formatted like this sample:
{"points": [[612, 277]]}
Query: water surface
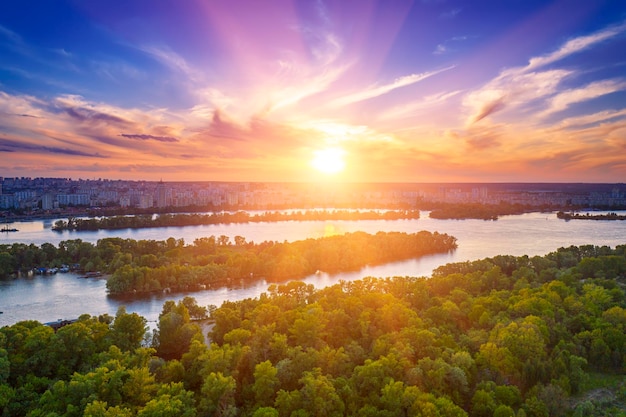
{"points": [[65, 296]]}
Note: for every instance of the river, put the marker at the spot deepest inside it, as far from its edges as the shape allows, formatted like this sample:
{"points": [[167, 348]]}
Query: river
{"points": [[65, 296]]}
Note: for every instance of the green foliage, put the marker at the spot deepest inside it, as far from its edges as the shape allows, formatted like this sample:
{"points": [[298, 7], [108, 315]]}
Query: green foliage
{"points": [[506, 336], [148, 266], [128, 330], [195, 219], [176, 331]]}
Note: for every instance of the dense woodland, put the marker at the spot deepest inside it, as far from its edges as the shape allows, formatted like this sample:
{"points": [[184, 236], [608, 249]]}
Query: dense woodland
{"points": [[146, 265], [196, 219], [503, 337]]}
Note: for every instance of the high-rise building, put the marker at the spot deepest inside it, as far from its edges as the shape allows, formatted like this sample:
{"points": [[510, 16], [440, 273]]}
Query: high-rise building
{"points": [[47, 201], [161, 195]]}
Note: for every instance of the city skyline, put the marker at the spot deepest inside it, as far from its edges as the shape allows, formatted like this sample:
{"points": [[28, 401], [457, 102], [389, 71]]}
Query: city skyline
{"points": [[356, 91]]}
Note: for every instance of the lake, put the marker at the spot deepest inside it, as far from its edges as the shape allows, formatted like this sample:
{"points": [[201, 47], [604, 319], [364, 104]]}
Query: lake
{"points": [[65, 296]]}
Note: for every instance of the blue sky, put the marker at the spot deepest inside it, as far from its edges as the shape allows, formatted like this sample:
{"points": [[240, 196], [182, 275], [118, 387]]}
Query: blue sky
{"points": [[242, 90]]}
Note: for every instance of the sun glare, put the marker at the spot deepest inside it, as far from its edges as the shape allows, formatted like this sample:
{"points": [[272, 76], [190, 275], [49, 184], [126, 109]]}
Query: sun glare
{"points": [[329, 160]]}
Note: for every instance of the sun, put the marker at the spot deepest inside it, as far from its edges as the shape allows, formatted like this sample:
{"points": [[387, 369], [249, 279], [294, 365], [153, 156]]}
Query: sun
{"points": [[329, 160]]}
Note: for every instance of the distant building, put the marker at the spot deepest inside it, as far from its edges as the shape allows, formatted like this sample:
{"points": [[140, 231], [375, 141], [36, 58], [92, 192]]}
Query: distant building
{"points": [[73, 199], [161, 195], [47, 201], [145, 201], [8, 201], [125, 201]]}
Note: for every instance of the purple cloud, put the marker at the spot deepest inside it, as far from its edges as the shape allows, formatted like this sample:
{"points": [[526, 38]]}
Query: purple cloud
{"points": [[150, 137]]}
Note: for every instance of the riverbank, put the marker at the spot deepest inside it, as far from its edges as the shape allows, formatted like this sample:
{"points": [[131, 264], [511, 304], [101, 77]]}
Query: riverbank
{"points": [[47, 298]]}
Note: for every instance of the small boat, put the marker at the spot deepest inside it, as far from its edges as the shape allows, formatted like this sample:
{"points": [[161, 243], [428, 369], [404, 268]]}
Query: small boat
{"points": [[95, 274], [7, 229]]}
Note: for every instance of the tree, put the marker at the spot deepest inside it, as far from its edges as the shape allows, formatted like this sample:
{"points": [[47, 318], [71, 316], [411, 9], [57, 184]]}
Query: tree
{"points": [[7, 264], [171, 401], [196, 312], [319, 397], [265, 383], [101, 409], [483, 404], [128, 330], [306, 330], [73, 348], [266, 412], [503, 411], [218, 395], [175, 331]]}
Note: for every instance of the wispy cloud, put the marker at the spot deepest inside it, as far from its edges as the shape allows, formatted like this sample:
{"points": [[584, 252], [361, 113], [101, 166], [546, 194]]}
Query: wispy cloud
{"points": [[590, 119], [451, 14], [518, 86], [69, 124], [574, 46], [11, 35], [445, 48], [149, 137], [512, 90], [314, 84], [440, 49], [7, 145], [172, 60], [375, 91], [410, 109], [563, 100]]}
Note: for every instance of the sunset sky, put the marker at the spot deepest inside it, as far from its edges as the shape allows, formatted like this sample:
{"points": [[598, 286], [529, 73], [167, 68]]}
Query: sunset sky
{"points": [[302, 90]]}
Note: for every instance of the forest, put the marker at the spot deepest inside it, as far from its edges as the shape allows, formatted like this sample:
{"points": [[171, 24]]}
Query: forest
{"points": [[506, 336], [197, 219], [143, 266]]}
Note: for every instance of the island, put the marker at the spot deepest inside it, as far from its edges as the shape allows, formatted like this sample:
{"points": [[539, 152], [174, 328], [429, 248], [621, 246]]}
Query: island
{"points": [[579, 216], [477, 211], [136, 267], [197, 219]]}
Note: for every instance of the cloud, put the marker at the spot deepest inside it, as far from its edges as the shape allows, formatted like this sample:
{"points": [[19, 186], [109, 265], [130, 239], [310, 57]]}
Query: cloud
{"points": [[23, 115], [444, 48], [149, 137], [221, 127], [88, 115], [591, 119], [7, 145], [451, 14], [72, 125], [12, 36], [520, 85], [440, 49], [171, 59], [376, 91], [483, 142], [511, 91], [62, 52], [563, 100], [574, 46], [312, 85], [481, 138], [490, 107], [410, 109]]}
